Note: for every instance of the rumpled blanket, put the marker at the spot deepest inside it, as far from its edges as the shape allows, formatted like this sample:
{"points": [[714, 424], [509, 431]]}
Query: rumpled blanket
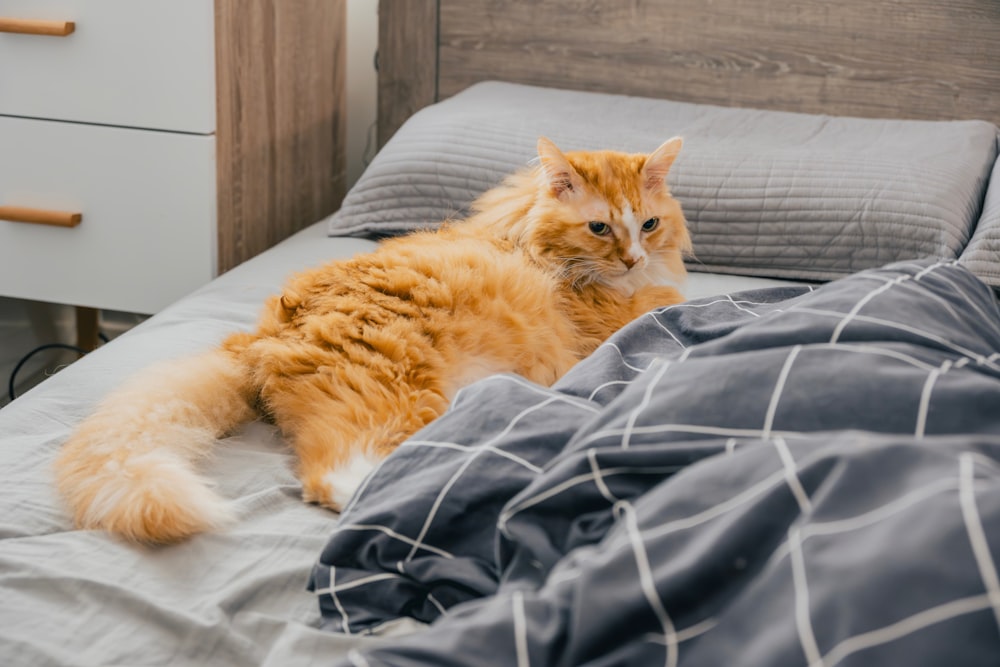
{"points": [[788, 476]]}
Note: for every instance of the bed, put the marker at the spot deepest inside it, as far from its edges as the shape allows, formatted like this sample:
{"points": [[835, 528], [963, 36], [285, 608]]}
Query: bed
{"points": [[800, 465]]}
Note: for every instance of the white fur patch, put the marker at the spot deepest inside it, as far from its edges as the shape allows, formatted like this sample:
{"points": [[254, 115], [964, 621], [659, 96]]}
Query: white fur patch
{"points": [[345, 480], [634, 232], [628, 217]]}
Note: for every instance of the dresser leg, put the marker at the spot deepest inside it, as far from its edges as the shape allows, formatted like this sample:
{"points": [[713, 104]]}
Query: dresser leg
{"points": [[87, 325]]}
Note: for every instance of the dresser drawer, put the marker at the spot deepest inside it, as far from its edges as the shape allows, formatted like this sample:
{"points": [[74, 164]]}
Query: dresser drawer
{"points": [[133, 63], [147, 199]]}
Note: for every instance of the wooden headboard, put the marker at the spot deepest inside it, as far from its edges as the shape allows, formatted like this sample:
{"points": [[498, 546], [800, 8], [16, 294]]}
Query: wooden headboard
{"points": [[928, 59]]}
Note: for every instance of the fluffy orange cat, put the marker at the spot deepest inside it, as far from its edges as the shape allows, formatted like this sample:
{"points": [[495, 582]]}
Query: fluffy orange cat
{"points": [[356, 355]]}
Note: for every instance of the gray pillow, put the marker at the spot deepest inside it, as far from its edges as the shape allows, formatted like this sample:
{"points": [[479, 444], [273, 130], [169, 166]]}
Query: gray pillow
{"points": [[766, 193], [982, 256]]}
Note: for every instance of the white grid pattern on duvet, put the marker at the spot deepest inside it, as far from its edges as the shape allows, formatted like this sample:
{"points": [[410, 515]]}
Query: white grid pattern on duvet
{"points": [[977, 537], [485, 448], [634, 538], [793, 548]]}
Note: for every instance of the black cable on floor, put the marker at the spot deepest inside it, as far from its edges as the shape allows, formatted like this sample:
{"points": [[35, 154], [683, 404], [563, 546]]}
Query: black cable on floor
{"points": [[41, 348]]}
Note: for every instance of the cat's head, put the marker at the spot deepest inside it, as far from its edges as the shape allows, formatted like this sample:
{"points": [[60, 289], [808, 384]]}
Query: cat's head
{"points": [[608, 217]]}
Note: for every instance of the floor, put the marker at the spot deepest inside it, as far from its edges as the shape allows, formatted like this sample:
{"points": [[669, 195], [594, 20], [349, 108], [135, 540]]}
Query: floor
{"points": [[27, 328]]}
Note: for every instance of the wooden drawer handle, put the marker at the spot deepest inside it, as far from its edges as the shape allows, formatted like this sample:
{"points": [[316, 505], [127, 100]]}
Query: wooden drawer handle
{"points": [[39, 216], [33, 27]]}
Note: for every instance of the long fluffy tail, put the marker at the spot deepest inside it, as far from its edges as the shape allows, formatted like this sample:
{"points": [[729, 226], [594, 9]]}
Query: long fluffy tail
{"points": [[129, 468]]}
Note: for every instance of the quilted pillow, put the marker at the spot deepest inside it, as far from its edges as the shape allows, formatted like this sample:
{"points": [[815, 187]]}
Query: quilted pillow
{"points": [[765, 192]]}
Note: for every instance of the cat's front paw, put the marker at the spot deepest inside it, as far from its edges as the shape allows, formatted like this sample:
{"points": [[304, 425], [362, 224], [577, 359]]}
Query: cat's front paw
{"points": [[319, 492], [334, 488]]}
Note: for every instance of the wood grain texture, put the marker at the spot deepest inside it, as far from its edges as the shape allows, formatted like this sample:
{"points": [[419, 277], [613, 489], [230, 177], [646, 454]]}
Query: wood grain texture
{"points": [[407, 61], [280, 73], [893, 58]]}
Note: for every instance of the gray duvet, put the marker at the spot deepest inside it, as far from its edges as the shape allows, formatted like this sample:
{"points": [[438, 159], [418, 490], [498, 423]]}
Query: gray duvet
{"points": [[779, 477]]}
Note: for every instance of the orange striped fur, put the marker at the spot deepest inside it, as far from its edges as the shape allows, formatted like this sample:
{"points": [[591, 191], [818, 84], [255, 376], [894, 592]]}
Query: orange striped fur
{"points": [[354, 356]]}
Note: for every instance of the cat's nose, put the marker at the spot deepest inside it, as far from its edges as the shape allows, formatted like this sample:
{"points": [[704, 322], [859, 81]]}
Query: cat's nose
{"points": [[629, 261]]}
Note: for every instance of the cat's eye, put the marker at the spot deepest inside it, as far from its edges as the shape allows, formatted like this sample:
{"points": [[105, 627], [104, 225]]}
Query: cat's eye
{"points": [[600, 228], [650, 224]]}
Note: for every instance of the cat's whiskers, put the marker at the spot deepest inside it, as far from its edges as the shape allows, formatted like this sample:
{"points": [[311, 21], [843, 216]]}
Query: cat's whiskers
{"points": [[577, 270]]}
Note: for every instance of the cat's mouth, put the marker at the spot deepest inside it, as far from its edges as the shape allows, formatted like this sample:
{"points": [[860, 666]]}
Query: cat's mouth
{"points": [[631, 270], [640, 275], [627, 279]]}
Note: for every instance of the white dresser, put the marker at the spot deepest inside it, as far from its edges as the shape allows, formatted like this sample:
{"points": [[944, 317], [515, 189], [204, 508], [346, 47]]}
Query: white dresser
{"points": [[157, 144]]}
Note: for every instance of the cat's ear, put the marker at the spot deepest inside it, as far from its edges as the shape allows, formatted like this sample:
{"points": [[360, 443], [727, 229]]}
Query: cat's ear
{"points": [[654, 172], [562, 178]]}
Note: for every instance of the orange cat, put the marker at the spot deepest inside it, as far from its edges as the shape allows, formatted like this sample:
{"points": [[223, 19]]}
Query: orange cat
{"points": [[356, 355]]}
